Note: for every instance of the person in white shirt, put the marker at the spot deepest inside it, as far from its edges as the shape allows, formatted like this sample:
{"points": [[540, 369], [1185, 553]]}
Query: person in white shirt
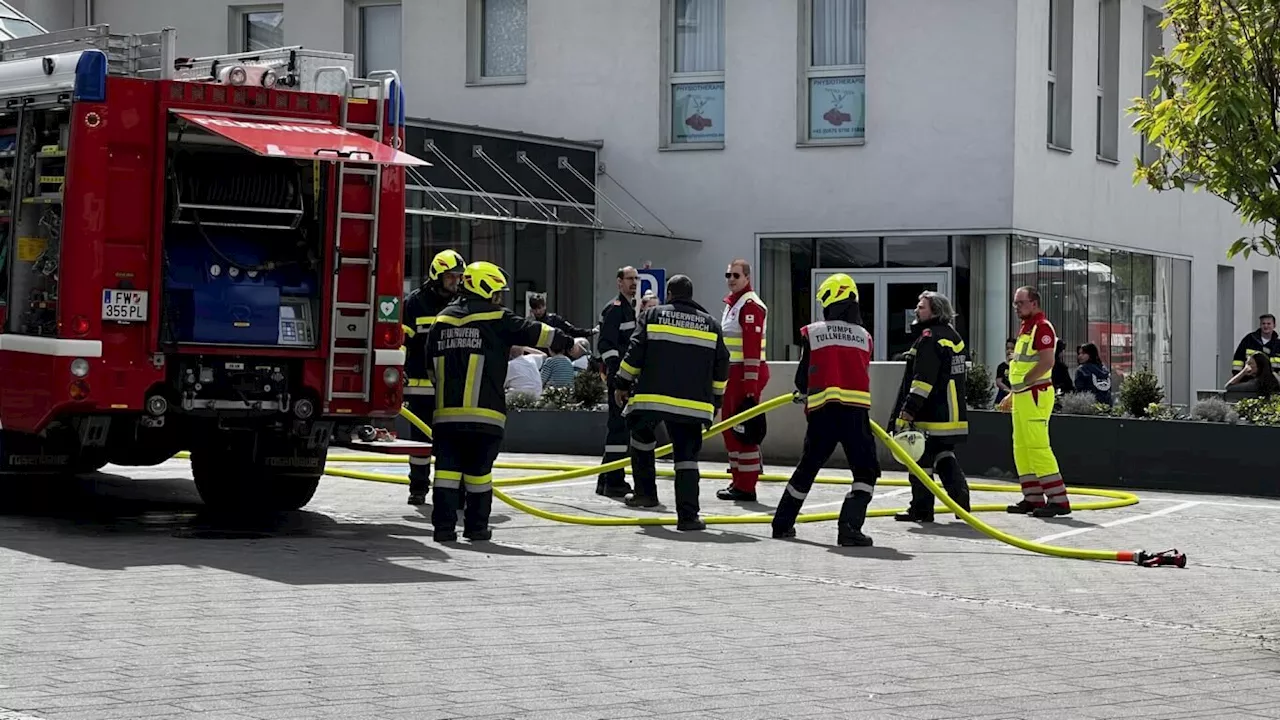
{"points": [[524, 371]]}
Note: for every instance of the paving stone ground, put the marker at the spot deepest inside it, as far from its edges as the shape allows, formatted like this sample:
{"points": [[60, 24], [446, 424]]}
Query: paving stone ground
{"points": [[120, 599]]}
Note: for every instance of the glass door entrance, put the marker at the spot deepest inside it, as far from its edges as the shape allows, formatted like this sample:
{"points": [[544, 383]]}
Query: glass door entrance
{"points": [[888, 299]]}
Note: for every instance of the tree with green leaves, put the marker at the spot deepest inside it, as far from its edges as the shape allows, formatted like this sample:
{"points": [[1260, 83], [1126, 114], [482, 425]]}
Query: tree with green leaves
{"points": [[1215, 111]]}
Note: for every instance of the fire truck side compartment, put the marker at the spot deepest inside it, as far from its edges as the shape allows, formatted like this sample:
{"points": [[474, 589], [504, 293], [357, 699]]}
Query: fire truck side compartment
{"points": [[242, 249]]}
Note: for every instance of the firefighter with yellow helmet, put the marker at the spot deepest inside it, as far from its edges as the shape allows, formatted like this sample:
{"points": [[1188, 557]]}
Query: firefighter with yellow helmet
{"points": [[419, 313], [833, 379], [467, 350]]}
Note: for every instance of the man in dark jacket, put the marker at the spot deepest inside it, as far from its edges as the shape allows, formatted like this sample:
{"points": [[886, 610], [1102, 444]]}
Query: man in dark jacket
{"points": [[675, 370], [932, 400], [617, 322], [419, 313], [538, 308], [467, 350], [1263, 340]]}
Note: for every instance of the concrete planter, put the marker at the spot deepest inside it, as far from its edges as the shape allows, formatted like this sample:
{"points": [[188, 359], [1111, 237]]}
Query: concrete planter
{"points": [[1173, 455], [555, 432]]}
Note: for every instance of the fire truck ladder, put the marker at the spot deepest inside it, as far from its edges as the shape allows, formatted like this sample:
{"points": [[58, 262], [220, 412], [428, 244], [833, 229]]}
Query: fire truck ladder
{"points": [[359, 323]]}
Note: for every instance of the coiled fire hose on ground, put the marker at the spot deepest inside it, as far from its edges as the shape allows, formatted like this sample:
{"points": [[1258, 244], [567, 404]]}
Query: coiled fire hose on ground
{"points": [[558, 473]]}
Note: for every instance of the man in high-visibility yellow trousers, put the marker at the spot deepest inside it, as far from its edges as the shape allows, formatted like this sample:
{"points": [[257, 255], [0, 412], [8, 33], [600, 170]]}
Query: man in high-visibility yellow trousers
{"points": [[1044, 494]]}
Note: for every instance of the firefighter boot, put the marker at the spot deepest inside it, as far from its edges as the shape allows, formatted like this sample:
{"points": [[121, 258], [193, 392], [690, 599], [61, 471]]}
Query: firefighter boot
{"points": [[476, 525], [419, 480], [784, 516], [921, 507], [852, 514], [687, 507], [444, 513]]}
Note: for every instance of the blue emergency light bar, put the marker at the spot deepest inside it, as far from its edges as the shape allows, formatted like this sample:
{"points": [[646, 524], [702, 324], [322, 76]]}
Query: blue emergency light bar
{"points": [[91, 77]]}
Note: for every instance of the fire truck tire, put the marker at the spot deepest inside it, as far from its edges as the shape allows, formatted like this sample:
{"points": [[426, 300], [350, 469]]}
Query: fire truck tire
{"points": [[229, 483]]}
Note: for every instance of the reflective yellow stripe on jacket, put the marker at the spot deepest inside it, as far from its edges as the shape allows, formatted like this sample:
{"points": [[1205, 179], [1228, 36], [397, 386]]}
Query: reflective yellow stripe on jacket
{"points": [[954, 425], [1024, 361], [838, 395], [735, 348], [673, 405]]}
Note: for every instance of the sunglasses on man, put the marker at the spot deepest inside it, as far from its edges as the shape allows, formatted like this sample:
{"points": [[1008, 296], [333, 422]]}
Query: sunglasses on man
{"points": [[733, 275]]}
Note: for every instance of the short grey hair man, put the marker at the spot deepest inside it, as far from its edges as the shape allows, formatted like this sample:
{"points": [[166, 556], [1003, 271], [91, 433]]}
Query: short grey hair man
{"points": [[939, 306]]}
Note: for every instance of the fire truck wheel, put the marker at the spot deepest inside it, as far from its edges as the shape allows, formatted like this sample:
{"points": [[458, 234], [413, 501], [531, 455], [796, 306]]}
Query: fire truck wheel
{"points": [[229, 484], [291, 492]]}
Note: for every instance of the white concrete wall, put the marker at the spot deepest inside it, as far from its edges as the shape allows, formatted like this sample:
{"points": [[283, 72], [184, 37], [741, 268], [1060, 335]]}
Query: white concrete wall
{"points": [[204, 26], [1076, 196], [937, 155]]}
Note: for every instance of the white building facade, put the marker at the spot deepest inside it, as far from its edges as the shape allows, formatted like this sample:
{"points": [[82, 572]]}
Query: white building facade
{"points": [[969, 147]]}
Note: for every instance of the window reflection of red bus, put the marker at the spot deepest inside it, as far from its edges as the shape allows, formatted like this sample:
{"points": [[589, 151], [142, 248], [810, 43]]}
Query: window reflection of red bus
{"points": [[1075, 289], [1115, 344]]}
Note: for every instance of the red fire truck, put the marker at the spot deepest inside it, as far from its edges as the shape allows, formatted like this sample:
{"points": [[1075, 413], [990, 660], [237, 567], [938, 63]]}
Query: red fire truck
{"points": [[201, 254]]}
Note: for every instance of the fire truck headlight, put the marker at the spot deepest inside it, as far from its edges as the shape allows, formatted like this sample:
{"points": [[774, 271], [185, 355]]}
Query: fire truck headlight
{"points": [[215, 270], [80, 367], [391, 376], [237, 76], [269, 78]]}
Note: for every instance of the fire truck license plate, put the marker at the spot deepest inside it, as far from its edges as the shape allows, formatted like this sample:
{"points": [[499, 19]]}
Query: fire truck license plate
{"points": [[124, 305]]}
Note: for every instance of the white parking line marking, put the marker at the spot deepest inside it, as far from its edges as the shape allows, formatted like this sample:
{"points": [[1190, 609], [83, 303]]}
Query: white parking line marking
{"points": [[1114, 523], [1218, 504]]}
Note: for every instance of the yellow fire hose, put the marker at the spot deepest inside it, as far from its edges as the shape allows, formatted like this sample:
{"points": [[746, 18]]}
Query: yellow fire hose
{"points": [[559, 473]]}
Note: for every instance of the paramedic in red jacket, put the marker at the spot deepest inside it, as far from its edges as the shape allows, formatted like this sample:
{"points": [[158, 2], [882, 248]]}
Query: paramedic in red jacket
{"points": [[743, 325]]}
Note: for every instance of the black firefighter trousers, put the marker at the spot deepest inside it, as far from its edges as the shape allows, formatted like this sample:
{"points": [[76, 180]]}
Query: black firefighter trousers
{"points": [[420, 468], [614, 482], [940, 459], [686, 439], [831, 425], [464, 464]]}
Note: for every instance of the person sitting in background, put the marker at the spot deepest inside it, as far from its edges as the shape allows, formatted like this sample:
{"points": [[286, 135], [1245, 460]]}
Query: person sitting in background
{"points": [[1092, 376], [557, 370], [1062, 384], [1256, 378], [1002, 372], [522, 371]]}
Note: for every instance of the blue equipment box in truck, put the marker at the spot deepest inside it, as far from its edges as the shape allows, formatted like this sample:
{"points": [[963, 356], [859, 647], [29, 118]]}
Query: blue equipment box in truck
{"points": [[213, 301]]}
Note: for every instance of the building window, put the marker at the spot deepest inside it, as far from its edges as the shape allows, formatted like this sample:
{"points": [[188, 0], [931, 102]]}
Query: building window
{"points": [[376, 35], [1133, 306], [256, 27], [1061, 34], [1108, 109], [833, 70], [1152, 47], [693, 94], [497, 41]]}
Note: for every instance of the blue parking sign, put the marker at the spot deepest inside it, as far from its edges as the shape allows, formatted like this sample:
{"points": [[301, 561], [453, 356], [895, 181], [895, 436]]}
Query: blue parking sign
{"points": [[654, 279]]}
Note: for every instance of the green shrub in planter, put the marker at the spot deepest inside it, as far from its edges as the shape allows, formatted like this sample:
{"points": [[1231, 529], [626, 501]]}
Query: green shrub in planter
{"points": [[1215, 410], [558, 398], [522, 401], [1140, 391], [1082, 403], [979, 389], [1260, 411], [588, 390]]}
